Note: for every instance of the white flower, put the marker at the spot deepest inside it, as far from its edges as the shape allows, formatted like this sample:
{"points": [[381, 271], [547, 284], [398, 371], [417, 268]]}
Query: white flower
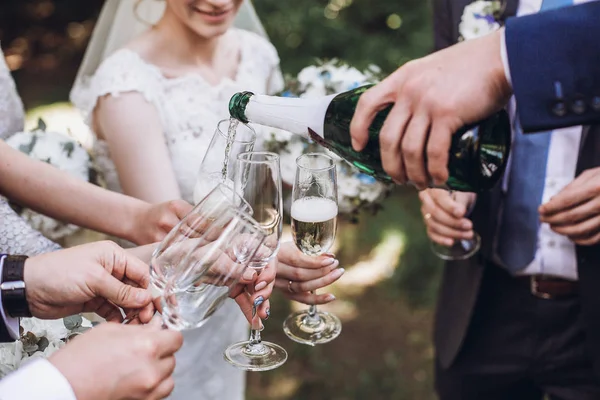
{"points": [[478, 19], [309, 75], [280, 135], [314, 89]]}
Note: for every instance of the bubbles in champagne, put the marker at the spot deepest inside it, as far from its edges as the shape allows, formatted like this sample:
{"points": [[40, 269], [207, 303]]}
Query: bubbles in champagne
{"points": [[314, 224]]}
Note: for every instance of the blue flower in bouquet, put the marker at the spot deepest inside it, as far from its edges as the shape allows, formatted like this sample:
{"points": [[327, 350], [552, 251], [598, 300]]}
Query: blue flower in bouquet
{"points": [[354, 85], [365, 179], [288, 93]]}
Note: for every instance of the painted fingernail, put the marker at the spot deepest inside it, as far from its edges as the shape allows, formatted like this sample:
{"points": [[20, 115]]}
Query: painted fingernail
{"points": [[328, 261], [338, 272], [268, 311], [329, 298], [258, 301], [260, 286]]}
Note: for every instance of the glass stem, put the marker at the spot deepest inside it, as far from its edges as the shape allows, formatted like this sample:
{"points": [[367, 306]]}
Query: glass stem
{"points": [[254, 337], [312, 310]]}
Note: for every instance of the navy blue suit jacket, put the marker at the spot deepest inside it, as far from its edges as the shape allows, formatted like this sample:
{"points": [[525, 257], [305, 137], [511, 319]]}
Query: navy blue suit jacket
{"points": [[554, 60]]}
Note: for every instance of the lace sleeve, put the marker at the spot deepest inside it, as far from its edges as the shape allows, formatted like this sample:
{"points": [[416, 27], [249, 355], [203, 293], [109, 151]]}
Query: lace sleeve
{"points": [[11, 108], [122, 72], [17, 237]]}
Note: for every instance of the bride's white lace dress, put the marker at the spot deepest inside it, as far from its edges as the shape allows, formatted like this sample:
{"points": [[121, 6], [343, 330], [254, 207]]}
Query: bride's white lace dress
{"points": [[189, 109], [16, 236]]}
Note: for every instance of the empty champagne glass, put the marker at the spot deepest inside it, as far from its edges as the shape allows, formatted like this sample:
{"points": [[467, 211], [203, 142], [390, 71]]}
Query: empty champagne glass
{"points": [[314, 216], [213, 264], [231, 138], [461, 249], [258, 181], [169, 252]]}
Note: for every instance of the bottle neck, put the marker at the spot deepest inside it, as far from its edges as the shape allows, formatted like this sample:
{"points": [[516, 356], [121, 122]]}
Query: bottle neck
{"points": [[291, 114]]}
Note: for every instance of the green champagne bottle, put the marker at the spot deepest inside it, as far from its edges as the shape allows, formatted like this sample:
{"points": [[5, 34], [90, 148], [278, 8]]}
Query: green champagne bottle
{"points": [[478, 153]]}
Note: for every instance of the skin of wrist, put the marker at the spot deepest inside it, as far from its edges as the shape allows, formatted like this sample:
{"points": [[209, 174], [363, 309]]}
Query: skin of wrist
{"points": [[497, 65], [134, 212], [29, 270]]}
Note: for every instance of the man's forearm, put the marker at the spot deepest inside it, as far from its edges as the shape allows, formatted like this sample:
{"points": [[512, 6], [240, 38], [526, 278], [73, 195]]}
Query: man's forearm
{"points": [[55, 193]]}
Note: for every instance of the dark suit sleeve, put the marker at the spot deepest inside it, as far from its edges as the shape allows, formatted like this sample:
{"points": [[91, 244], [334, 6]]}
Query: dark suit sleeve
{"points": [[554, 60], [5, 336], [442, 25]]}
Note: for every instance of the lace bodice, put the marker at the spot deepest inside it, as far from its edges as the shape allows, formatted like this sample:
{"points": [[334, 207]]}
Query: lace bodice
{"points": [[16, 236], [188, 106]]}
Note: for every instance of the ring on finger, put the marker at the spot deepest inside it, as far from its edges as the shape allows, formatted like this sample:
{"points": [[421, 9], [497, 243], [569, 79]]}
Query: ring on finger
{"points": [[427, 216], [290, 287]]}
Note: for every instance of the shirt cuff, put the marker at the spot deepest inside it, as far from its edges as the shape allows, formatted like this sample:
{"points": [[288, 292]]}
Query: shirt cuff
{"points": [[12, 324], [38, 380], [504, 56]]}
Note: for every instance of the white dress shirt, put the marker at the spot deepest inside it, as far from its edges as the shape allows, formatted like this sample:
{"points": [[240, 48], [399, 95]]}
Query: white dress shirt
{"points": [[38, 380], [556, 253]]}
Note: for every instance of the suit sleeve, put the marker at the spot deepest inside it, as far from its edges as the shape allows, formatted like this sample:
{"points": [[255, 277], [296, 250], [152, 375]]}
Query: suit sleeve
{"points": [[38, 380], [442, 25], [554, 60]]}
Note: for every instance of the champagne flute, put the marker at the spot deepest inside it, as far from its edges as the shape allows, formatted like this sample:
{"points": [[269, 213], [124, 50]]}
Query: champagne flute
{"points": [[214, 265], [314, 215], [258, 181], [230, 139], [169, 252], [461, 249]]}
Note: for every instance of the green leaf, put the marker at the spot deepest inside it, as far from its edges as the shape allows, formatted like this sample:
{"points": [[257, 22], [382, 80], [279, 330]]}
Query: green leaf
{"points": [[68, 147], [43, 343], [72, 322], [41, 125], [28, 148]]}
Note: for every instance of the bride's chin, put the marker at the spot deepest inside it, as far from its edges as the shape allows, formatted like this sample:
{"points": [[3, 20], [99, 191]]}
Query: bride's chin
{"points": [[210, 32]]}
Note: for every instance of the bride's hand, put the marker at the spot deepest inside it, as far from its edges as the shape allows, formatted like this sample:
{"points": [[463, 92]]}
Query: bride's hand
{"points": [[255, 290], [298, 274], [152, 222]]}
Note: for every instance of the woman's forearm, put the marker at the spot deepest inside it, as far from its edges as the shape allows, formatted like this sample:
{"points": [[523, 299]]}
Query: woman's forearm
{"points": [[55, 193]]}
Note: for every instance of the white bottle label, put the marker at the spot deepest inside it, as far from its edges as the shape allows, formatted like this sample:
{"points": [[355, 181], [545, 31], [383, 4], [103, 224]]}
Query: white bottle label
{"points": [[294, 115]]}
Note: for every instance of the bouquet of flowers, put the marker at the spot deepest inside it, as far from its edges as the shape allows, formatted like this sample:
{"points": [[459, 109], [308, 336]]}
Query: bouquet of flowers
{"points": [[480, 18], [356, 190], [39, 339], [62, 152]]}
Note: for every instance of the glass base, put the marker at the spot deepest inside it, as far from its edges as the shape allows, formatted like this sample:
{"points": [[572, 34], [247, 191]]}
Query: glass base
{"points": [[322, 328], [263, 356], [460, 250]]}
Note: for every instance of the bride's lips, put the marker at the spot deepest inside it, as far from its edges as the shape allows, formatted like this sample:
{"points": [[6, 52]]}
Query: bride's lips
{"points": [[214, 17]]}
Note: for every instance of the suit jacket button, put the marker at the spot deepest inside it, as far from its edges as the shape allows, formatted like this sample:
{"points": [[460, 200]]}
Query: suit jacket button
{"points": [[578, 106], [559, 109], [596, 103]]}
